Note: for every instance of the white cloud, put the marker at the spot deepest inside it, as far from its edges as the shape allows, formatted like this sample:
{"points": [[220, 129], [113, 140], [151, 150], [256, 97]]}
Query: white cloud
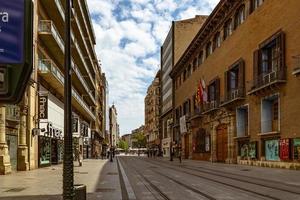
{"points": [[129, 35]]}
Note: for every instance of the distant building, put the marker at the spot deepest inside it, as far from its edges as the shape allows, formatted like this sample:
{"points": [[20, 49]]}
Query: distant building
{"points": [[113, 132], [152, 102]]}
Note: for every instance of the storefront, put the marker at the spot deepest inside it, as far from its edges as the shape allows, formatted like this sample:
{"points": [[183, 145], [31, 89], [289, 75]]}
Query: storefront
{"points": [[166, 147], [51, 125]]}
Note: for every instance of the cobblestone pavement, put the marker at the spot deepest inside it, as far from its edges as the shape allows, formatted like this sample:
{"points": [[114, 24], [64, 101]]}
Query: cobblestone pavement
{"points": [[158, 178], [100, 176]]}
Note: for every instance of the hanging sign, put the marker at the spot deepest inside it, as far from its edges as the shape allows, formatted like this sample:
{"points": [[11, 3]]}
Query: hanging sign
{"points": [[43, 107]]}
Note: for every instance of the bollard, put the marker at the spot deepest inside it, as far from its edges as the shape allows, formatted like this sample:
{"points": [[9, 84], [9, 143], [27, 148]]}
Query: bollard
{"points": [[80, 192]]}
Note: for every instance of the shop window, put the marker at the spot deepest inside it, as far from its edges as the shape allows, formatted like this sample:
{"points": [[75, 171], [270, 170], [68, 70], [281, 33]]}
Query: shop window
{"points": [[200, 58], [217, 41], [254, 4], [208, 49], [272, 149], [242, 121], [269, 114], [239, 17], [247, 150], [227, 29]]}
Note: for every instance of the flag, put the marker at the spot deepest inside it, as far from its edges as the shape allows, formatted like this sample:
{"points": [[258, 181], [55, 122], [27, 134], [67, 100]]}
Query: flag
{"points": [[204, 93], [199, 93]]}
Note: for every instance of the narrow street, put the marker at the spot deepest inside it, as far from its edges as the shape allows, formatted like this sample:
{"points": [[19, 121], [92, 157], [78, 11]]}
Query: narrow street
{"points": [[158, 178]]}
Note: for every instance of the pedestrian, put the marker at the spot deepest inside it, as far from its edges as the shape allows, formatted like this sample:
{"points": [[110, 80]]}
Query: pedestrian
{"points": [[108, 154], [80, 158], [113, 152]]}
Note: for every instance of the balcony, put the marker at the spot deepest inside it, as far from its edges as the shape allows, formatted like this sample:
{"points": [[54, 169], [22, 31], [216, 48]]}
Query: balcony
{"points": [[267, 80], [210, 106], [233, 96], [50, 36], [52, 75], [12, 113], [55, 12]]}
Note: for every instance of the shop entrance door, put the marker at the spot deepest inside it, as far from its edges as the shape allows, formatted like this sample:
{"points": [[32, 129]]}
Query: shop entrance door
{"points": [[186, 146], [222, 143], [12, 143]]}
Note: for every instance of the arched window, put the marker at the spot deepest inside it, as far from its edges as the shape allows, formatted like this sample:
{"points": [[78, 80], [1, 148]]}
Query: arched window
{"points": [[255, 4], [200, 58], [239, 16], [208, 49], [195, 64], [217, 41], [189, 70], [227, 28]]}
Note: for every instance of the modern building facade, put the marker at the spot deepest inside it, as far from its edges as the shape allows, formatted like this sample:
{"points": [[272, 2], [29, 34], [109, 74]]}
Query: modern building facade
{"points": [[152, 113], [34, 134], [179, 37], [235, 86]]}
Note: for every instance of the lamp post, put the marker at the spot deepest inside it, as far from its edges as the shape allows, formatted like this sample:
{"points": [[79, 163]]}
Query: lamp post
{"points": [[68, 175]]}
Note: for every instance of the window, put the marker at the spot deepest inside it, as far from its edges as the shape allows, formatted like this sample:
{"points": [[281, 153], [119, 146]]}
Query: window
{"points": [[269, 114], [201, 141], [233, 77], [184, 75], [186, 107], [200, 58], [195, 64], [227, 29], [242, 121], [239, 16], [255, 4], [235, 81], [269, 61], [217, 41], [208, 49], [189, 72], [212, 92]]}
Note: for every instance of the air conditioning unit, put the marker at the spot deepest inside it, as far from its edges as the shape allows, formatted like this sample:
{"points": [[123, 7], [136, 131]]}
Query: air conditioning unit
{"points": [[213, 104]]}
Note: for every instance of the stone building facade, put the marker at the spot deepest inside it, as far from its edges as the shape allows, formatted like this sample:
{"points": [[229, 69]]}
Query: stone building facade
{"points": [[152, 102], [113, 124], [243, 62], [32, 131]]}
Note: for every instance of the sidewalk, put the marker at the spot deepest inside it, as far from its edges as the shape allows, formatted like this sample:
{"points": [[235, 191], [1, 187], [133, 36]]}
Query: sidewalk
{"points": [[100, 176]]}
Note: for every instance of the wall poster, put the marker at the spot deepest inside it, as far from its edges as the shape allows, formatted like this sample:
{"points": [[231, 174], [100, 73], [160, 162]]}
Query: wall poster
{"points": [[252, 150], [296, 148], [44, 150], [272, 149], [284, 149]]}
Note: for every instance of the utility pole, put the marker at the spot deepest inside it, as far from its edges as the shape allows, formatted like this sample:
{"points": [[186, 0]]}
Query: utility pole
{"points": [[68, 175]]}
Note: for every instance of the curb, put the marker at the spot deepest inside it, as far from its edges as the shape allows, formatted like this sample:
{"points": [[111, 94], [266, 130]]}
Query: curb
{"points": [[129, 190]]}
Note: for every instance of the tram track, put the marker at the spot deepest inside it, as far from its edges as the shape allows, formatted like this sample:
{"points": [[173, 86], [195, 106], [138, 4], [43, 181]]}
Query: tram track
{"points": [[202, 194], [179, 169], [241, 179]]}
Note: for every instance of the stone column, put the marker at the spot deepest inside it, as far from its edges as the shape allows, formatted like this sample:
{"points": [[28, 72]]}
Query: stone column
{"points": [[22, 147], [5, 167], [213, 132]]}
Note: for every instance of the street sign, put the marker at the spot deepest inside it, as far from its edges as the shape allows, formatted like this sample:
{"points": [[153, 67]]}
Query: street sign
{"points": [[16, 48]]}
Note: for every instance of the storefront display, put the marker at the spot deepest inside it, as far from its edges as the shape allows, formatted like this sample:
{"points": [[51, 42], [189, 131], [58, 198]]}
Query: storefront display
{"points": [[272, 150], [44, 151], [244, 150], [252, 150], [284, 149], [296, 149]]}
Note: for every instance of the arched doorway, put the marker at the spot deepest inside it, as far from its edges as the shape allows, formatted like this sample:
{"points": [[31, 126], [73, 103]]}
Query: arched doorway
{"points": [[222, 143]]}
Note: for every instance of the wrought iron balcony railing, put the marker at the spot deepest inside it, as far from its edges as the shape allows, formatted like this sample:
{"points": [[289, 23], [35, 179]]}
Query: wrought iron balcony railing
{"points": [[12, 113]]}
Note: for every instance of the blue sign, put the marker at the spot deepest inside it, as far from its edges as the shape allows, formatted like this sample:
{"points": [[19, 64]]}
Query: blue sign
{"points": [[12, 31]]}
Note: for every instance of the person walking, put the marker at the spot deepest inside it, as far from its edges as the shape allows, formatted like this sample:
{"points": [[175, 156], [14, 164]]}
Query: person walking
{"points": [[80, 158]]}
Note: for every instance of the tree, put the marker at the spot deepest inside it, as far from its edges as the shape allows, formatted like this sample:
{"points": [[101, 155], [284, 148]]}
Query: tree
{"points": [[140, 142], [123, 145]]}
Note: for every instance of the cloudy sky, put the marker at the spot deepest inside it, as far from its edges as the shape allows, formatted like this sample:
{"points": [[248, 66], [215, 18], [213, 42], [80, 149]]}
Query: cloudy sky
{"points": [[129, 35]]}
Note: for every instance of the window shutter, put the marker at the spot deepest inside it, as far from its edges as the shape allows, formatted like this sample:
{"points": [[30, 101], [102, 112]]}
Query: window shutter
{"points": [[281, 41], [241, 78], [251, 6], [226, 86], [217, 85], [255, 67]]}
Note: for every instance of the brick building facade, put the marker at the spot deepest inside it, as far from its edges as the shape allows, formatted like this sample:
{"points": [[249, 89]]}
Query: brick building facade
{"points": [[244, 60]]}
